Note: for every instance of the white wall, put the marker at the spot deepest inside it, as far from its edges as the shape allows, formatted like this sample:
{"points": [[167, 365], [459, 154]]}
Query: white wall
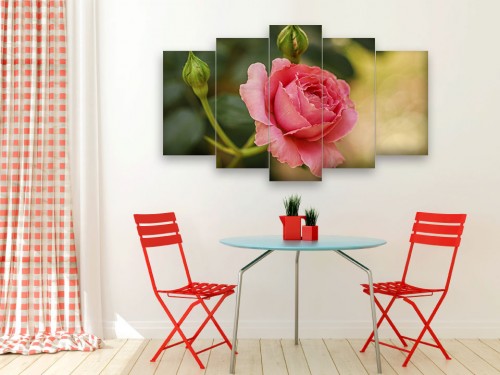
{"points": [[461, 173]]}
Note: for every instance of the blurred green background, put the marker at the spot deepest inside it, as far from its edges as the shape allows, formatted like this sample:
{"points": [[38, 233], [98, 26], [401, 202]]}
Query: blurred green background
{"points": [[184, 121], [234, 56]]}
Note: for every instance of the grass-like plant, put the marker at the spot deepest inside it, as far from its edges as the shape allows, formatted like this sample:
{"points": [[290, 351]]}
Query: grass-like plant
{"points": [[311, 217], [292, 204]]}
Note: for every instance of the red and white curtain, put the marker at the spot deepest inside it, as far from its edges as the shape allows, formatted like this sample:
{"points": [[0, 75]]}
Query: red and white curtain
{"points": [[39, 289]]}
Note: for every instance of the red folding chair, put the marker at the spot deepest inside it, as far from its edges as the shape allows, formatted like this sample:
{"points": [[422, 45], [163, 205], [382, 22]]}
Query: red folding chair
{"points": [[440, 230], [159, 230]]}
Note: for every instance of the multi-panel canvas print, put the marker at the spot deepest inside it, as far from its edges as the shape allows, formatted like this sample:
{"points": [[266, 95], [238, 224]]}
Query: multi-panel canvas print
{"points": [[297, 103]]}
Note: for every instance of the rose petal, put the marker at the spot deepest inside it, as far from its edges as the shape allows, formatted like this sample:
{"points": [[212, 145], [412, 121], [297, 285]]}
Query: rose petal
{"points": [[293, 93], [308, 110], [310, 133], [346, 123], [279, 64], [261, 134], [286, 114], [331, 156], [253, 93], [284, 148], [311, 154]]}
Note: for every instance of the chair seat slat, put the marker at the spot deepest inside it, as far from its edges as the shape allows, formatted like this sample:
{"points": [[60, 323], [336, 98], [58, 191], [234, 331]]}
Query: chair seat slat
{"points": [[398, 288], [201, 289]]}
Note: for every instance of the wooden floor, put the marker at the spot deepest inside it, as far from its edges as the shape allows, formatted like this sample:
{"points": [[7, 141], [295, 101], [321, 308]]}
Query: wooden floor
{"points": [[269, 357]]}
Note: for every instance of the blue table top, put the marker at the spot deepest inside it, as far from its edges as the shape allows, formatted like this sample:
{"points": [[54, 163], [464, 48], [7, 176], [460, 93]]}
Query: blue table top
{"points": [[324, 243]]}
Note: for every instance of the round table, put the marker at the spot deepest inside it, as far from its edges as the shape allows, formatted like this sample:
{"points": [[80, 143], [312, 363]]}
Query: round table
{"points": [[337, 244]]}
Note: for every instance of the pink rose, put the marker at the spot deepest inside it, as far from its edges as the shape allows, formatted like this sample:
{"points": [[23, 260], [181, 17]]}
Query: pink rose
{"points": [[290, 108]]}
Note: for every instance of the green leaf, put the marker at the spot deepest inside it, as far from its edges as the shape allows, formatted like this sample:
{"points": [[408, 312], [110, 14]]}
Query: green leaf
{"points": [[232, 113], [367, 43], [182, 131], [173, 92], [338, 64]]}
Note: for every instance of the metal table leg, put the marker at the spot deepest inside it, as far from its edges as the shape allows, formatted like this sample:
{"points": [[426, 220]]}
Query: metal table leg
{"points": [[237, 309], [372, 302], [297, 298]]}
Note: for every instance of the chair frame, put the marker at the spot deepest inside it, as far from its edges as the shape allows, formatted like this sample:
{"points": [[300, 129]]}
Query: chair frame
{"points": [[434, 229], [160, 230]]}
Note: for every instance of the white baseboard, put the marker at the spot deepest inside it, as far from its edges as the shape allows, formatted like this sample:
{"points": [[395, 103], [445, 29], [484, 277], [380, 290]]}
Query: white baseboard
{"points": [[307, 329]]}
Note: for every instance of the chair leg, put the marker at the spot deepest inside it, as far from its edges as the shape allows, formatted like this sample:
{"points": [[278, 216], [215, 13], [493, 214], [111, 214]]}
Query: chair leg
{"points": [[389, 320], [216, 324], [163, 345], [427, 328], [210, 316], [177, 328]]}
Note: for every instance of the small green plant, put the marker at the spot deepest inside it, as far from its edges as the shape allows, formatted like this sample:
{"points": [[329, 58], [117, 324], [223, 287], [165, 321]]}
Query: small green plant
{"points": [[311, 217], [292, 204]]}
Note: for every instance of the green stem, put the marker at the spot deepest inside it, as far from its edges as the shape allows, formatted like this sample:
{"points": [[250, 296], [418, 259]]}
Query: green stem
{"points": [[234, 162], [247, 152], [221, 147], [250, 141], [216, 126]]}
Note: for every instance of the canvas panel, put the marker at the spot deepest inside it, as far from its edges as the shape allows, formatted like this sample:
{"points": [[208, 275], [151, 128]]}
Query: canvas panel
{"points": [[402, 102]]}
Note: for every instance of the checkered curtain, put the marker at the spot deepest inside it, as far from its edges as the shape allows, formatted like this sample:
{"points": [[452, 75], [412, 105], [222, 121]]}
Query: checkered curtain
{"points": [[39, 292]]}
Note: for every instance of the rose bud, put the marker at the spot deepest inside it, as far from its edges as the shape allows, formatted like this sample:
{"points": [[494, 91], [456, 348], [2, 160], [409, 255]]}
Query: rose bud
{"points": [[292, 42], [196, 74]]}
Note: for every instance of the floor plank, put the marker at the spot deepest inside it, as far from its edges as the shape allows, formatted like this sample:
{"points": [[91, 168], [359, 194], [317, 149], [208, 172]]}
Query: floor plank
{"points": [[143, 366], [218, 362], [261, 357], [126, 357], [19, 364], [5, 359], [345, 359], [67, 363], [171, 360], [295, 359], [423, 363], [368, 359], [396, 359], [248, 359], [318, 357], [188, 365], [273, 359], [468, 358], [484, 351], [449, 367], [98, 361], [43, 363], [494, 344]]}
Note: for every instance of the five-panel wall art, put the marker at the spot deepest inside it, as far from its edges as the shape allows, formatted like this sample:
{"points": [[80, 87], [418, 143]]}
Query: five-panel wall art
{"points": [[297, 103]]}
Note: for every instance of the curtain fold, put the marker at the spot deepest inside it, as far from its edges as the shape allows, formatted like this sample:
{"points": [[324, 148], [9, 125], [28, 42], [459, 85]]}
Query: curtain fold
{"points": [[39, 285]]}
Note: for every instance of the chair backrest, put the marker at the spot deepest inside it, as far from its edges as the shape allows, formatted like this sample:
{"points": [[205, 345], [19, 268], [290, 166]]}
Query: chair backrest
{"points": [[157, 230], [435, 229]]}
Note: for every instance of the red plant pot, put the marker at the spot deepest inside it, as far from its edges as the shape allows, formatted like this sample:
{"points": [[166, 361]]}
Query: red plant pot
{"points": [[291, 227], [309, 233]]}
